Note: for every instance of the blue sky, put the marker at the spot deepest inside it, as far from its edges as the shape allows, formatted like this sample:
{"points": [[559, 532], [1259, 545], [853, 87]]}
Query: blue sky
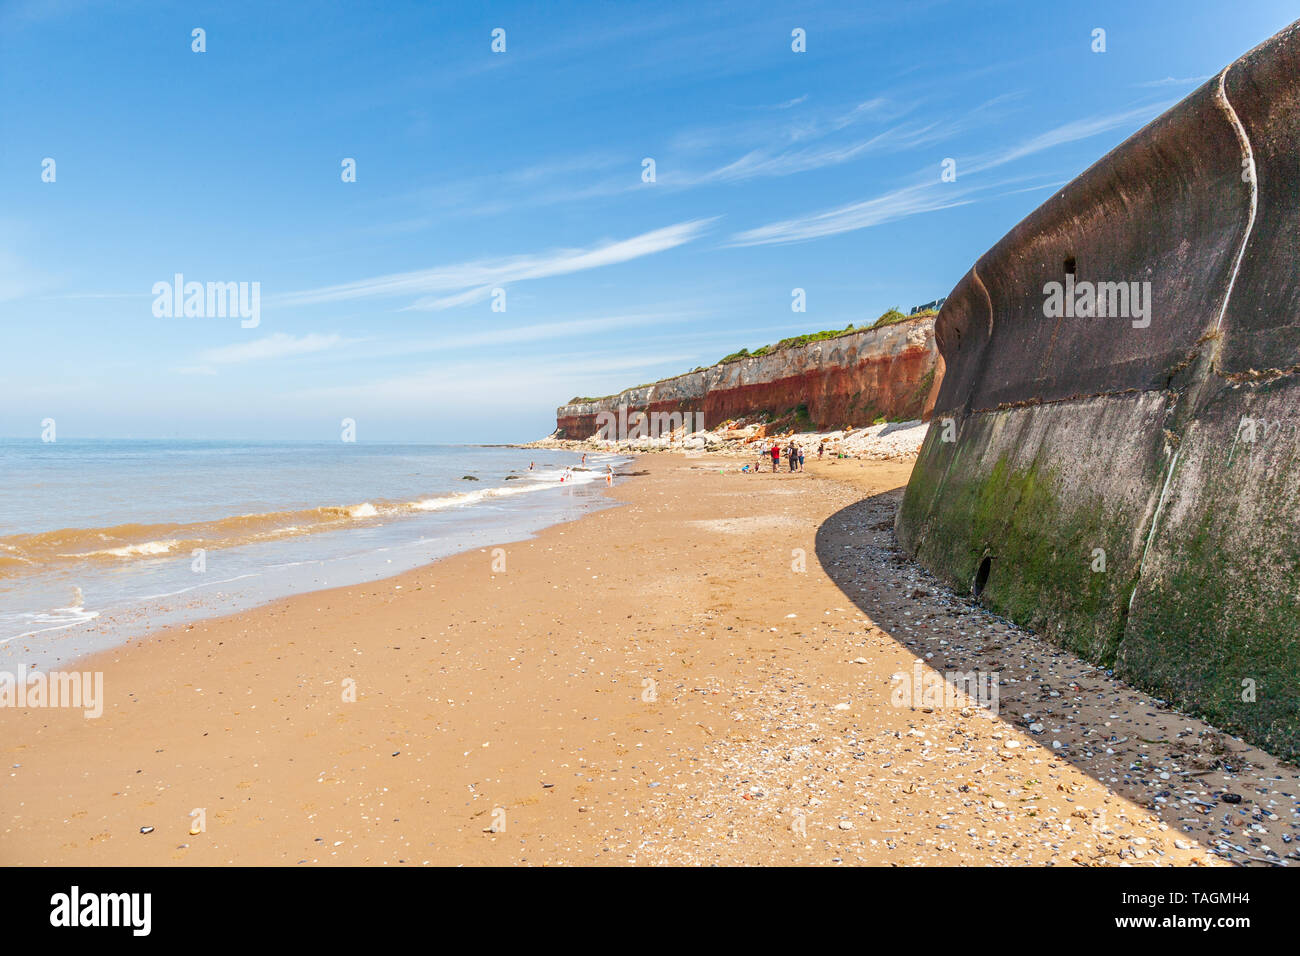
{"points": [[519, 170]]}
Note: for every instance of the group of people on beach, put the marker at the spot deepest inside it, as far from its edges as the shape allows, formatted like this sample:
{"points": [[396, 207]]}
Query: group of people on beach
{"points": [[793, 455], [793, 452]]}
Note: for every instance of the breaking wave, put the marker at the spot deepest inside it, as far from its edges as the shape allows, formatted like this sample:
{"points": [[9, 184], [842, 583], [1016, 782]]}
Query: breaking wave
{"points": [[32, 553]]}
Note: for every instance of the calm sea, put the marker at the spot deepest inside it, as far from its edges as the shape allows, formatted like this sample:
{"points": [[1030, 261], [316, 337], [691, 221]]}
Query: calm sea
{"points": [[104, 540]]}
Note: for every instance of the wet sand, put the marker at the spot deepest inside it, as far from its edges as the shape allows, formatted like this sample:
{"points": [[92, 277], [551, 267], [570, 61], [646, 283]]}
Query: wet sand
{"points": [[702, 675]]}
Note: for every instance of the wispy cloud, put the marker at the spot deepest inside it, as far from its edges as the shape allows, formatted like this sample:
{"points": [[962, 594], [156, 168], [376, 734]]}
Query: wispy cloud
{"points": [[100, 295], [779, 143], [775, 149], [1170, 81], [1032, 189], [543, 331], [931, 196], [438, 303], [492, 384], [469, 279], [279, 345], [588, 175], [1065, 133], [898, 204], [821, 150], [761, 162]]}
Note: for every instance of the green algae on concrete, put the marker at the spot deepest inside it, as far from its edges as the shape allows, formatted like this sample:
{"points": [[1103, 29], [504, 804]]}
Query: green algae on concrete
{"points": [[1215, 624], [1058, 567]]}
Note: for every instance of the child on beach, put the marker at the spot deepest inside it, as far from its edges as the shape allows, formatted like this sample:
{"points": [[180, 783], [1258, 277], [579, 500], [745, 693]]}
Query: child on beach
{"points": [[801, 458]]}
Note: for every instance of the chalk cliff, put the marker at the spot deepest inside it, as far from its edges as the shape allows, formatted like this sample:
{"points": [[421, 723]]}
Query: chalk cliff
{"points": [[1130, 484], [853, 378]]}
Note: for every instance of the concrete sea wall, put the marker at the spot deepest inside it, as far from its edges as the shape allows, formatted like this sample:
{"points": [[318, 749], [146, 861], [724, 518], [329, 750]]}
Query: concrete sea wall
{"points": [[1130, 485]]}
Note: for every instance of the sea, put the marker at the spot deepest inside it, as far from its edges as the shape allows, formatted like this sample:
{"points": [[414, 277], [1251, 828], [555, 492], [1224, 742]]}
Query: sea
{"points": [[105, 540]]}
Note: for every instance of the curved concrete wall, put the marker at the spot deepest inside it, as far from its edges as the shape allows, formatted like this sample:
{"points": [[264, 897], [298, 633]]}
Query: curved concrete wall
{"points": [[1135, 488]]}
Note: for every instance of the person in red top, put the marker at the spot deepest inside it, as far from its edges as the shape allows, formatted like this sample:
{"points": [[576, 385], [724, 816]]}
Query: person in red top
{"points": [[776, 457]]}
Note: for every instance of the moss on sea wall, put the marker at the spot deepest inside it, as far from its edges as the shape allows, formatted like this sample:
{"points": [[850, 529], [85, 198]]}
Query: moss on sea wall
{"points": [[1208, 554], [1062, 567], [1210, 640], [1215, 625]]}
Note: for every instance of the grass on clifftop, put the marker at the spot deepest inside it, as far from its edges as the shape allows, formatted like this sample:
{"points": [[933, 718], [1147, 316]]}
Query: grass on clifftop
{"points": [[891, 317]]}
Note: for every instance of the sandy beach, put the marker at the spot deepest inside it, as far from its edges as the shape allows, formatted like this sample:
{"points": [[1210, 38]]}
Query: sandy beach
{"points": [[700, 676]]}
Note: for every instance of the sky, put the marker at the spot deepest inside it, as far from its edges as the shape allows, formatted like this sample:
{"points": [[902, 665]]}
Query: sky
{"points": [[521, 170]]}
